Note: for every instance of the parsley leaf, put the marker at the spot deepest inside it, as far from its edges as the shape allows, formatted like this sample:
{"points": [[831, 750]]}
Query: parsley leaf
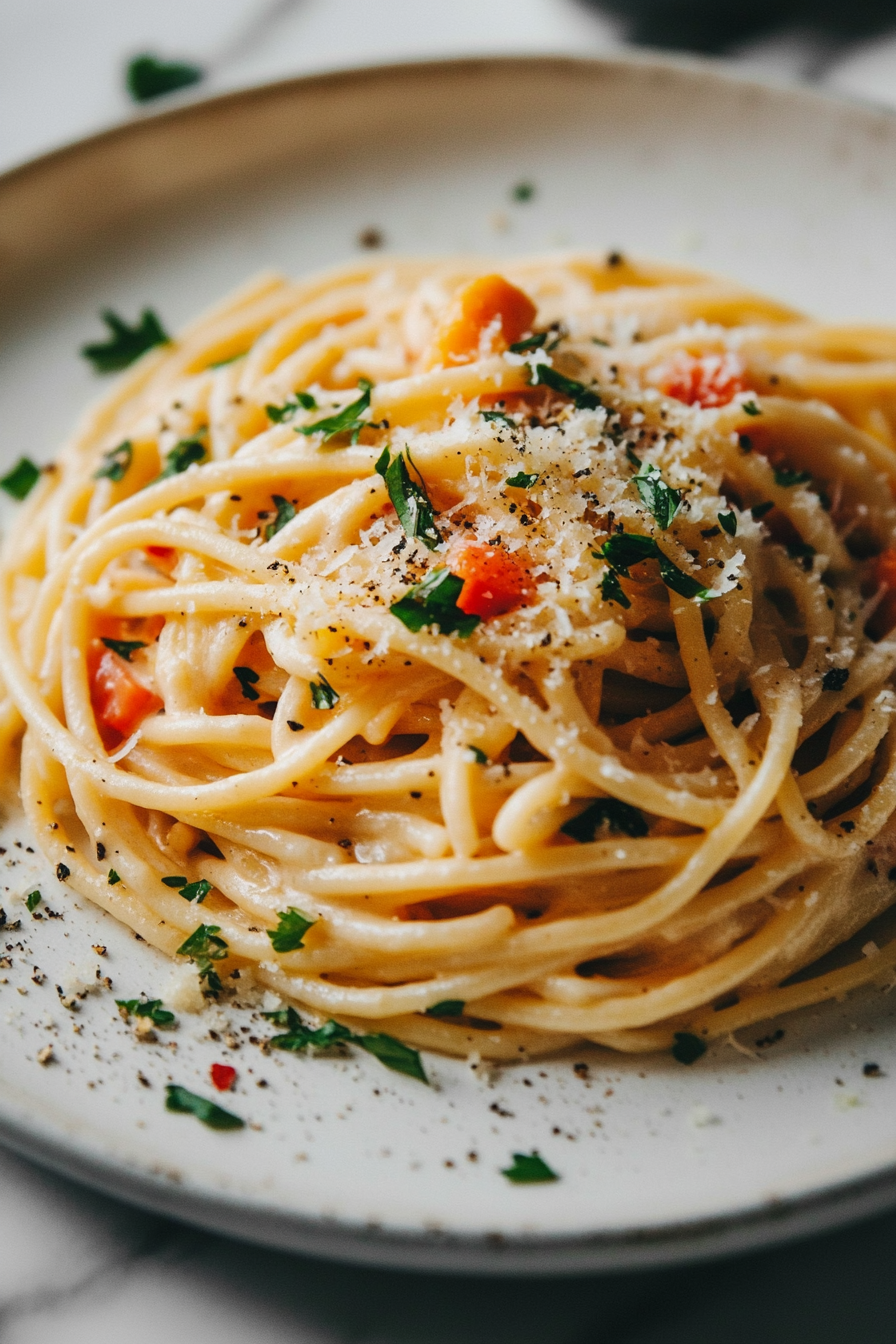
{"points": [[285, 514], [611, 589], [728, 522], [495, 417], [523, 479], [116, 462], [348, 420], [410, 499], [610, 812], [247, 676], [300, 401], [835, 679], [751, 408], [627, 548], [661, 499], [760, 510], [297, 1037], [21, 480], [196, 891], [433, 601], [786, 476], [124, 647], [529, 343], [33, 900], [176, 882], [447, 1008], [582, 396], [151, 1008], [113, 878], [322, 694], [181, 456], [178, 1099], [479, 755], [204, 947], [523, 191], [529, 1169], [687, 1048], [291, 928], [147, 77], [124, 344], [684, 584], [394, 1054]]}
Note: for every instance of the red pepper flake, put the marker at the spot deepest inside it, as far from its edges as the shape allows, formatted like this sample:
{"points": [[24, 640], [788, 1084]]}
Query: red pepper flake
{"points": [[223, 1076]]}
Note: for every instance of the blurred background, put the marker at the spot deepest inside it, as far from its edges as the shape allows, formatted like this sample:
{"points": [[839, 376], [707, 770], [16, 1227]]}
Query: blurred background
{"points": [[79, 1267]]}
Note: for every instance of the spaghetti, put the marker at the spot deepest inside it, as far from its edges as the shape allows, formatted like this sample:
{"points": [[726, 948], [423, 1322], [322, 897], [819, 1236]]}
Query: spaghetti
{"points": [[493, 661]]}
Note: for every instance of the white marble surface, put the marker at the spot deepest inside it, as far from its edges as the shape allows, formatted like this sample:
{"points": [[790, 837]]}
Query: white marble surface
{"points": [[77, 1267]]}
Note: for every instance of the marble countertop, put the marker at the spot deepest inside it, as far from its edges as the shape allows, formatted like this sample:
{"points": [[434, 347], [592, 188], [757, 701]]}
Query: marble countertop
{"points": [[78, 1267]]}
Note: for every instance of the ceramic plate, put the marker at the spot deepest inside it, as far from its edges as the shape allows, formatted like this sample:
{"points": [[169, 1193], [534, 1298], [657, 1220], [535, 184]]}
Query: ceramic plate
{"points": [[783, 190]]}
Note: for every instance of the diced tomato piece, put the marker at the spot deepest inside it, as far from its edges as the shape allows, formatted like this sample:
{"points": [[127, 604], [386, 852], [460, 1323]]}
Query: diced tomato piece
{"points": [[223, 1076], [884, 573], [164, 553], [705, 380], [489, 300], [120, 701], [495, 581]]}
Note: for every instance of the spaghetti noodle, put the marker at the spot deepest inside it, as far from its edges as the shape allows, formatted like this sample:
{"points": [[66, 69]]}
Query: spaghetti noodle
{"points": [[493, 661]]}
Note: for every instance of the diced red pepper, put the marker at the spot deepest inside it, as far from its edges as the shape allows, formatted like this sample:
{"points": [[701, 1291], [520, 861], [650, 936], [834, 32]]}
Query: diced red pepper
{"points": [[120, 700], [704, 380], [475, 308], [223, 1076], [164, 553], [495, 580]]}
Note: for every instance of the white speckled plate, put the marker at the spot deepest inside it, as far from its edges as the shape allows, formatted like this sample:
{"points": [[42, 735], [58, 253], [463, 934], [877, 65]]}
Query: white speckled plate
{"points": [[787, 192]]}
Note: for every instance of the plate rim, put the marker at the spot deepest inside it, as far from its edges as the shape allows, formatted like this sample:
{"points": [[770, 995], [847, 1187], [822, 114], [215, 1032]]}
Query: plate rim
{"points": [[772, 1221]]}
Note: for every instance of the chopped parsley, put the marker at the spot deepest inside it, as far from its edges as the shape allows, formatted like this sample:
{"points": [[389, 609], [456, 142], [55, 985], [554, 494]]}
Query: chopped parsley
{"points": [[629, 548], [786, 476], [498, 417], [409, 497], [247, 676], [683, 584], [297, 1037], [300, 401], [181, 456], [323, 695], [523, 191], [529, 1169], [285, 514], [191, 891], [113, 878], [291, 928], [661, 499], [147, 77], [447, 1008], [728, 522], [582, 396], [124, 647], [750, 408], [33, 900], [124, 344], [151, 1008], [760, 510], [610, 812], [433, 601], [181, 1101], [204, 947], [347, 421], [21, 480], [835, 679], [116, 462], [687, 1047], [478, 754], [523, 480], [624, 549], [611, 589]]}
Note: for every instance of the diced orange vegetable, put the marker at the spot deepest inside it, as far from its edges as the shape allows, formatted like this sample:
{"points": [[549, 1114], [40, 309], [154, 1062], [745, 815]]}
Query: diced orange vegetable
{"points": [[120, 701], [490, 304], [884, 572], [223, 1076], [165, 554], [707, 380], [495, 581]]}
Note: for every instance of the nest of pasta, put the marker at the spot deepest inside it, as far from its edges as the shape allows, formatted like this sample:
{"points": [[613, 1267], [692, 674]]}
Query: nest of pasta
{"points": [[489, 661]]}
